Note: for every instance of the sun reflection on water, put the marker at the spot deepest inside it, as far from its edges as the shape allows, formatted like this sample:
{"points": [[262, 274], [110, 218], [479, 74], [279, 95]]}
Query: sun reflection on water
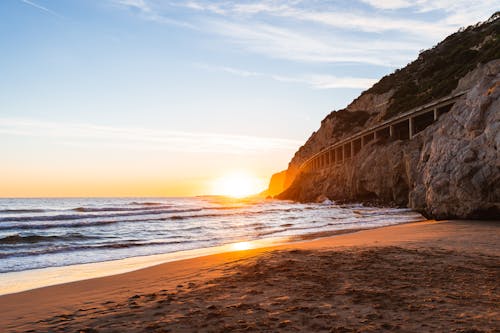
{"points": [[242, 246]]}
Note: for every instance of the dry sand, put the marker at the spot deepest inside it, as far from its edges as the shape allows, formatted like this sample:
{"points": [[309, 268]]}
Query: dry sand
{"points": [[420, 277]]}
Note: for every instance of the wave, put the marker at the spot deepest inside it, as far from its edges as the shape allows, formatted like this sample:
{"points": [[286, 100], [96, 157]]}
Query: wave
{"points": [[187, 217], [154, 209], [18, 239], [238, 213], [106, 246], [136, 203], [177, 217], [276, 231], [58, 225], [383, 212], [65, 217], [338, 224], [224, 207], [119, 209], [45, 226], [19, 211], [55, 222]]}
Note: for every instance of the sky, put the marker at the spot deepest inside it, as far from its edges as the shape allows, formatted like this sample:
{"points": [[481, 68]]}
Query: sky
{"points": [[162, 98]]}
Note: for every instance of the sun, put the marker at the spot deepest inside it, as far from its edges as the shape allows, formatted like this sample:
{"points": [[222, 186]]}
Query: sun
{"points": [[238, 185]]}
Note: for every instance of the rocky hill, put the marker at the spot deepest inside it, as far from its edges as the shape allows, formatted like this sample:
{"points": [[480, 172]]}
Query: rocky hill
{"points": [[450, 169]]}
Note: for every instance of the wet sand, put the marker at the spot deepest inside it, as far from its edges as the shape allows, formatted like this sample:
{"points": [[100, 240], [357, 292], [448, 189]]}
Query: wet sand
{"points": [[419, 277]]}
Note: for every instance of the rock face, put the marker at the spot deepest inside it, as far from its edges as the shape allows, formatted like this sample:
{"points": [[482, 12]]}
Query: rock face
{"points": [[451, 169], [457, 172], [364, 111], [276, 184]]}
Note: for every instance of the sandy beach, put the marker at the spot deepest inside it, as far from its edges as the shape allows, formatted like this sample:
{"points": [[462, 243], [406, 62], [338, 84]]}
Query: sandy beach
{"points": [[433, 276]]}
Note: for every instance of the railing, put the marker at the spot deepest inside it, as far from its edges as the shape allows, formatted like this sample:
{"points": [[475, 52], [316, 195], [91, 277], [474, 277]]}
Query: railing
{"points": [[324, 157]]}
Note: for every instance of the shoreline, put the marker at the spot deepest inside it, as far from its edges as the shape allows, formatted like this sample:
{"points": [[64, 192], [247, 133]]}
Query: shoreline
{"points": [[92, 302], [21, 281], [53, 276]]}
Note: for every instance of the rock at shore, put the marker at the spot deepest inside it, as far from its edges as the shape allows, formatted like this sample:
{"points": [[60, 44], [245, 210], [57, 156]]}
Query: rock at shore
{"points": [[451, 169], [276, 184]]}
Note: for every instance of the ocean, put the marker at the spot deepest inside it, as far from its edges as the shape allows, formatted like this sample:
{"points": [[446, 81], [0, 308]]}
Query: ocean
{"points": [[40, 233]]}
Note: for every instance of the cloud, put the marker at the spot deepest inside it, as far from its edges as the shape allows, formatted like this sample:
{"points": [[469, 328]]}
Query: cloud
{"points": [[322, 31], [354, 20], [230, 70], [388, 4], [148, 12], [331, 82], [454, 13], [316, 81], [143, 138], [289, 30], [322, 81], [290, 44], [140, 5], [42, 8]]}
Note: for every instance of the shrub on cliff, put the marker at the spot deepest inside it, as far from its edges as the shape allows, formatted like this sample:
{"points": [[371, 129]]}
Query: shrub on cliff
{"points": [[436, 71], [344, 121]]}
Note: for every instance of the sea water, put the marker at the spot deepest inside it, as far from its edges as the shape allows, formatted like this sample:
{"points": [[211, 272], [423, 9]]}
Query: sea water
{"points": [[40, 233]]}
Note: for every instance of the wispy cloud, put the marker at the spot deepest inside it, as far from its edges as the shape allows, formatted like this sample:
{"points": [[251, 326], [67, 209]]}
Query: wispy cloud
{"points": [[143, 138], [230, 70], [316, 81], [340, 19], [389, 4], [323, 31], [149, 12], [140, 5], [332, 82], [40, 7], [456, 12], [305, 46]]}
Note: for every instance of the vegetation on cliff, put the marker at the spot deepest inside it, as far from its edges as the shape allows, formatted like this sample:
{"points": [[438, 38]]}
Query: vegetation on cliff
{"points": [[436, 71]]}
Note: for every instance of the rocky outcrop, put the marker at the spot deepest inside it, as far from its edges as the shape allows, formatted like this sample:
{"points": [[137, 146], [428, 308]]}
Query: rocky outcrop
{"points": [[364, 111], [450, 169], [434, 74], [276, 184], [458, 171]]}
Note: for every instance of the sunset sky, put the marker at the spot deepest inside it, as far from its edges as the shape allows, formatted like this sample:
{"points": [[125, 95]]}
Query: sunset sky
{"points": [[162, 98]]}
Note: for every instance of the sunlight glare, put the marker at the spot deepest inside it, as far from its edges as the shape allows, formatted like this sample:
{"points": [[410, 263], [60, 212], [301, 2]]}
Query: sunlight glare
{"points": [[241, 246], [238, 185]]}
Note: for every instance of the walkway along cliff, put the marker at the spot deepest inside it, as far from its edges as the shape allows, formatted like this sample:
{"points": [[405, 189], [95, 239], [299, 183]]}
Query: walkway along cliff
{"points": [[425, 137]]}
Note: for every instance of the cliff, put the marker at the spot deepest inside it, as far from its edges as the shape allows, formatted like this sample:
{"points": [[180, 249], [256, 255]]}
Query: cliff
{"points": [[276, 184], [451, 168]]}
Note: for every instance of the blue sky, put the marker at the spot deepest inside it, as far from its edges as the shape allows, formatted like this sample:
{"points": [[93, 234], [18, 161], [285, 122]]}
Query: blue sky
{"points": [[115, 94]]}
